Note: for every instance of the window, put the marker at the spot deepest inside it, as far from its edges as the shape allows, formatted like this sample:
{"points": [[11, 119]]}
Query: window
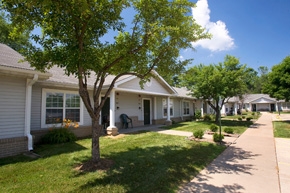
{"points": [[185, 108], [59, 105], [164, 104]]}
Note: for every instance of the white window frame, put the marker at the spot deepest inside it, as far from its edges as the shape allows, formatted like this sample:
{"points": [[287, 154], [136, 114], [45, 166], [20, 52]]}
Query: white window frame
{"points": [[171, 103], [186, 108], [43, 105]]}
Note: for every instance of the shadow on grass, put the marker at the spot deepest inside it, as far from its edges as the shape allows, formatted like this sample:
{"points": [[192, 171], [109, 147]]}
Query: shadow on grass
{"points": [[225, 164], [164, 169], [43, 151]]}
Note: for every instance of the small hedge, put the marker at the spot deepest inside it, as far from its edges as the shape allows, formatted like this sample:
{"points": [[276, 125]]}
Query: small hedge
{"points": [[213, 127], [229, 130], [217, 137], [207, 117], [249, 118], [198, 134], [240, 118], [61, 135]]}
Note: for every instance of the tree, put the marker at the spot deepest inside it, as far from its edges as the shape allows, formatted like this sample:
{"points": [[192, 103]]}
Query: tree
{"points": [[217, 83], [17, 41], [278, 85], [72, 38]]}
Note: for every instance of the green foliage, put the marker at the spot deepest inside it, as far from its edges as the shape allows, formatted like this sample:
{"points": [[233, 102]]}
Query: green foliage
{"points": [[61, 135], [243, 116], [253, 113], [198, 133], [229, 130], [249, 118], [217, 137], [207, 117], [278, 85], [240, 118], [197, 114], [8, 36], [213, 127], [215, 82]]}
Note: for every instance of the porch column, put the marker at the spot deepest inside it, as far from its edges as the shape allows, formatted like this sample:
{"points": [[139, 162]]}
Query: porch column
{"points": [[201, 109], [155, 108], [235, 109], [112, 129], [168, 121]]}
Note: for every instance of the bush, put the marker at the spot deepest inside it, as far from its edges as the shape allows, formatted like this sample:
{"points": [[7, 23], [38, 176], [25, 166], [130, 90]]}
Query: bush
{"points": [[213, 127], [249, 118], [61, 135], [217, 137], [207, 117], [253, 113], [197, 114], [240, 118], [229, 130], [198, 134], [243, 116]]}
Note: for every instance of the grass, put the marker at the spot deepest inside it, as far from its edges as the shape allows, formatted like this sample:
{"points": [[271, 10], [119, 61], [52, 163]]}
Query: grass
{"points": [[143, 162], [281, 129], [238, 126]]}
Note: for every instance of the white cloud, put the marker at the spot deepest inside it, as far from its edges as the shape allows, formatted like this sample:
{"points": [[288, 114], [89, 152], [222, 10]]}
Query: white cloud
{"points": [[181, 58], [220, 40]]}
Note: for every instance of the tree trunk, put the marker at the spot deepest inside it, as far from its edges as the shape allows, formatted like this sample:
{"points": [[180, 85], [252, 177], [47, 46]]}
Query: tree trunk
{"points": [[96, 133], [217, 116]]}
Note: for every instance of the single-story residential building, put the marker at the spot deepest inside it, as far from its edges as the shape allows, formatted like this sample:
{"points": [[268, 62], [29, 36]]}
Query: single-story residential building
{"points": [[254, 103], [32, 102]]}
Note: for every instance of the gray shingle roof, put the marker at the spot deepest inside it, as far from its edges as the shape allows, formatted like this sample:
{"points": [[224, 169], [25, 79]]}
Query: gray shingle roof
{"points": [[10, 58], [252, 97]]}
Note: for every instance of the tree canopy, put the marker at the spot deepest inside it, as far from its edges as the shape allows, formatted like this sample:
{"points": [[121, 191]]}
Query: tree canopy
{"points": [[278, 84], [217, 83], [17, 41], [72, 33]]}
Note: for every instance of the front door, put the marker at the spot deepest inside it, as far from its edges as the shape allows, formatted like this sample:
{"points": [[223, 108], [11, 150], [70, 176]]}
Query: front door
{"points": [[272, 107], [254, 107], [146, 110]]}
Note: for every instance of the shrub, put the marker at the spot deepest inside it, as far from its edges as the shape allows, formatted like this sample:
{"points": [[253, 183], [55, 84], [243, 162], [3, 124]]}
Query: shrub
{"points": [[249, 118], [207, 117], [217, 137], [229, 130], [213, 127], [240, 118], [197, 114], [253, 113], [61, 135], [243, 116], [198, 134]]}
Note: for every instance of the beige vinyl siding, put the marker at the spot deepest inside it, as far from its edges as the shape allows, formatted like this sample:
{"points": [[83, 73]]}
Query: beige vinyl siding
{"points": [[12, 106], [153, 86]]}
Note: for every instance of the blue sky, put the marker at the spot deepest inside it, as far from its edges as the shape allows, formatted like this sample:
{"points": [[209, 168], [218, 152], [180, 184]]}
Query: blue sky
{"points": [[255, 31]]}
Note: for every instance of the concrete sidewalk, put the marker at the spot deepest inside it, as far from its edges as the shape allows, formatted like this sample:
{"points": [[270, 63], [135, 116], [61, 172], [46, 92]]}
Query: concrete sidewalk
{"points": [[249, 165]]}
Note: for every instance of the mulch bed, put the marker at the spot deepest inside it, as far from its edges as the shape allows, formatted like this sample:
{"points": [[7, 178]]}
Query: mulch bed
{"points": [[90, 166]]}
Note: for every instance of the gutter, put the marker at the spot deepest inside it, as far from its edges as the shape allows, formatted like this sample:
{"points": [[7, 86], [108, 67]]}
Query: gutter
{"points": [[27, 128]]}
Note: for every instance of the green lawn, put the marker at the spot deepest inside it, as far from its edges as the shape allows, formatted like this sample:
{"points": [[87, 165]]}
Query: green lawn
{"points": [[143, 162], [281, 129], [238, 126]]}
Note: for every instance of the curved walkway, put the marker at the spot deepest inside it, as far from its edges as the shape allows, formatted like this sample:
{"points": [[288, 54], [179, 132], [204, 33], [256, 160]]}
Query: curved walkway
{"points": [[249, 165]]}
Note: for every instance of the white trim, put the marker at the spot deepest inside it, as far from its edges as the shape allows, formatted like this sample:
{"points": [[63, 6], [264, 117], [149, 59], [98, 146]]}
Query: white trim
{"points": [[43, 106], [144, 92], [166, 99], [185, 101]]}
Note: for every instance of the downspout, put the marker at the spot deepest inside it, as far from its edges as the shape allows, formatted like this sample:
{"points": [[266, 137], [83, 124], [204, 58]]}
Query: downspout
{"points": [[27, 133]]}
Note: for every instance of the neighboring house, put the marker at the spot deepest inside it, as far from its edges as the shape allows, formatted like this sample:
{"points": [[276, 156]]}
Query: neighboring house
{"points": [[32, 102], [255, 102]]}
